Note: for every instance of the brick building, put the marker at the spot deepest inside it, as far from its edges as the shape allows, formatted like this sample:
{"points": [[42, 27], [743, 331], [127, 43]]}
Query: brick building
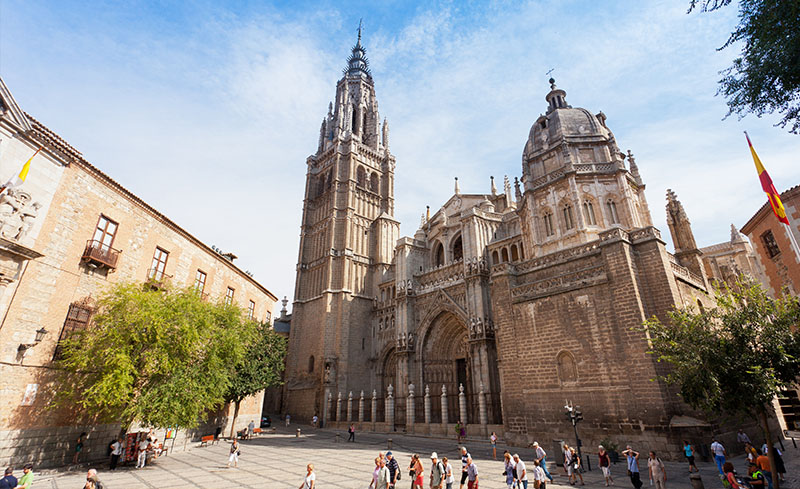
{"points": [[503, 305], [66, 234]]}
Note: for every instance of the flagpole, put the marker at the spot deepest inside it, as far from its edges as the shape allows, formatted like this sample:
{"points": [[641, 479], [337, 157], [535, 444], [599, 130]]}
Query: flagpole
{"points": [[792, 240]]}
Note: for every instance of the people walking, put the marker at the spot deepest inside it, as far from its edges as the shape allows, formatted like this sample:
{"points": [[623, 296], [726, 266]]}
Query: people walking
{"points": [[688, 452], [521, 472], [8, 481], [538, 476], [26, 481], [116, 452], [416, 472], [374, 482], [730, 475], [493, 443], [472, 474], [310, 479], [234, 455], [141, 460], [352, 431], [394, 469], [448, 473], [751, 453], [510, 470], [576, 467], [541, 457], [464, 457], [461, 431], [383, 475], [742, 438], [719, 454], [79, 446], [568, 466], [251, 428], [92, 480], [632, 458], [604, 461], [437, 472], [657, 471], [288, 419], [762, 462]]}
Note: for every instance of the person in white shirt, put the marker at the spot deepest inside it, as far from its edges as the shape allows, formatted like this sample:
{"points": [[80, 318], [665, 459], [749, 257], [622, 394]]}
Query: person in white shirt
{"points": [[539, 477], [448, 473], [719, 454], [311, 478], [522, 474], [251, 427], [144, 445], [541, 457], [116, 452]]}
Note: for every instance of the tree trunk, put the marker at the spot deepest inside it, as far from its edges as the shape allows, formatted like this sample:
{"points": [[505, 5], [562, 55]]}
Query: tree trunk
{"points": [[235, 415], [776, 483]]}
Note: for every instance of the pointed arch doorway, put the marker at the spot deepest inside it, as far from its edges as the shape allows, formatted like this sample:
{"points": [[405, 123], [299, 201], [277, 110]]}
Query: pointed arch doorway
{"points": [[445, 360]]}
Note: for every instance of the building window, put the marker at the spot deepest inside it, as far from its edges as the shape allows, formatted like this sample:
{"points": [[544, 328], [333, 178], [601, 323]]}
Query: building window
{"points": [[566, 366], [77, 319], [268, 316], [200, 281], [229, 295], [569, 222], [438, 257], [612, 212], [251, 310], [504, 254], [361, 177], [374, 182], [159, 264], [770, 244], [104, 233], [548, 224], [588, 213], [495, 258], [311, 364], [458, 249]]}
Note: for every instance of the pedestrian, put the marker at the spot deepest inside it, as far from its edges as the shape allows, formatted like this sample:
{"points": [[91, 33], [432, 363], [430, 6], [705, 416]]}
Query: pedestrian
{"points": [[437, 472], [251, 428], [314, 421], [448, 473], [604, 461], [116, 452], [8, 481], [567, 457], [719, 454], [416, 472], [742, 437], [541, 457], [472, 474], [311, 477], [383, 475], [288, 419], [461, 431], [464, 456], [633, 466], [92, 480], [538, 476], [79, 446], [780, 468], [234, 454], [493, 443], [521, 472], [657, 471], [394, 469], [510, 470], [730, 475], [352, 431], [26, 481], [751, 453], [688, 451], [141, 461], [756, 480], [576, 467], [762, 462], [374, 481]]}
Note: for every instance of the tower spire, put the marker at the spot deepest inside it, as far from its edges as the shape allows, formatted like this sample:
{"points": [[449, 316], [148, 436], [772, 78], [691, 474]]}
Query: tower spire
{"points": [[357, 63]]}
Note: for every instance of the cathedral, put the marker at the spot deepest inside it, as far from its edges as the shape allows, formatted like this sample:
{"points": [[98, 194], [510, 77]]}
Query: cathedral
{"points": [[504, 306]]}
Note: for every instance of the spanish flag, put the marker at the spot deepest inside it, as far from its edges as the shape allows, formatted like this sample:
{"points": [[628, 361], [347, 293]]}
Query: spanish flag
{"points": [[18, 180], [767, 186]]}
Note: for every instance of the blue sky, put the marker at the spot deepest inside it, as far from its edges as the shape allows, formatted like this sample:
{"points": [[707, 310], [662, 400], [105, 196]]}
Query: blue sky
{"points": [[208, 110]]}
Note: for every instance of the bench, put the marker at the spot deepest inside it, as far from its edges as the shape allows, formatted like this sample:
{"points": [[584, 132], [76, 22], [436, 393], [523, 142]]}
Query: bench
{"points": [[257, 431], [206, 439]]}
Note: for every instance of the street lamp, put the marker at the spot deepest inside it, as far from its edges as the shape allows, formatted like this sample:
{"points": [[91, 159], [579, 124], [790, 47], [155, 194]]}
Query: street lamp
{"points": [[574, 415], [23, 347]]}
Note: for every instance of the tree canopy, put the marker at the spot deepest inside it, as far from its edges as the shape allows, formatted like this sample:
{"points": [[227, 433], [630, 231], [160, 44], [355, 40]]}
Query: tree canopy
{"points": [[765, 77], [163, 358]]}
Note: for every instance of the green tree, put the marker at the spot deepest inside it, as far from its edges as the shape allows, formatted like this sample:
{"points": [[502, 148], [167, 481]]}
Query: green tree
{"points": [[765, 77], [733, 358], [259, 368], [158, 357]]}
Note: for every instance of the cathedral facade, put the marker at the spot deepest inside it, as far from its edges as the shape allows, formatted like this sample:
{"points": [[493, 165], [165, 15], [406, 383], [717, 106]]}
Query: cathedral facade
{"points": [[503, 306]]}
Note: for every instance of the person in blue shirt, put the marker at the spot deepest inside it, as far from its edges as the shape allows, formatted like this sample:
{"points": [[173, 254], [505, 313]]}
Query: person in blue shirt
{"points": [[8, 481], [633, 466], [688, 450]]}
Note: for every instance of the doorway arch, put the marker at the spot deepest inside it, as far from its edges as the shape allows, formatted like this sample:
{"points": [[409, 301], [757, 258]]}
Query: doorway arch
{"points": [[445, 360]]}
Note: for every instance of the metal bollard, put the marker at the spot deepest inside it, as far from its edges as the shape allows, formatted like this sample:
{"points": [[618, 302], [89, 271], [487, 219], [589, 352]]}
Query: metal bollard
{"points": [[697, 481], [338, 437], [297, 435], [389, 444]]}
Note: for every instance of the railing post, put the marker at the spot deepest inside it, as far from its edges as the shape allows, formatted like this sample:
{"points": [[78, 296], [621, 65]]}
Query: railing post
{"points": [[361, 408], [410, 409], [462, 404], [339, 407], [374, 406], [444, 408], [350, 407], [484, 419], [390, 408], [427, 404], [330, 406]]}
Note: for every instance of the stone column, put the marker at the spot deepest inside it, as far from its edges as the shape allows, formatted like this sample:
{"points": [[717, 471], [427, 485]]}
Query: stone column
{"points": [[374, 406], [339, 407], [410, 408], [350, 407], [329, 407], [462, 404], [390, 407], [484, 419], [445, 415], [427, 404], [361, 408]]}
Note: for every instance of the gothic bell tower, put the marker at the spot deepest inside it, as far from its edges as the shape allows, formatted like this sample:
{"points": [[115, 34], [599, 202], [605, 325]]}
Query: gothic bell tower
{"points": [[348, 234]]}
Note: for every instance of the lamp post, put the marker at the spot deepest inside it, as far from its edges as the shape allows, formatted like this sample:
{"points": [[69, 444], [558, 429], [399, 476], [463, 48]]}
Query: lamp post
{"points": [[574, 415], [23, 347]]}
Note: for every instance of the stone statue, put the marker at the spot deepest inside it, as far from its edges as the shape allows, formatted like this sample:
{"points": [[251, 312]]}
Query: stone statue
{"points": [[389, 391], [444, 390], [410, 341], [427, 390], [460, 388], [411, 389], [12, 202], [328, 372], [29, 213]]}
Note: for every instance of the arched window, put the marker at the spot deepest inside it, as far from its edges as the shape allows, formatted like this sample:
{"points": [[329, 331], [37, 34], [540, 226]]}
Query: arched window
{"points": [[567, 368], [458, 249], [504, 254], [495, 258], [588, 213], [329, 180], [361, 177], [355, 120], [612, 211], [514, 253], [548, 224], [569, 222], [374, 182], [311, 364], [438, 255]]}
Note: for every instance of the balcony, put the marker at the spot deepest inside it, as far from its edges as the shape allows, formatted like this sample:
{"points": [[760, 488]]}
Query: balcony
{"points": [[96, 254], [157, 279]]}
